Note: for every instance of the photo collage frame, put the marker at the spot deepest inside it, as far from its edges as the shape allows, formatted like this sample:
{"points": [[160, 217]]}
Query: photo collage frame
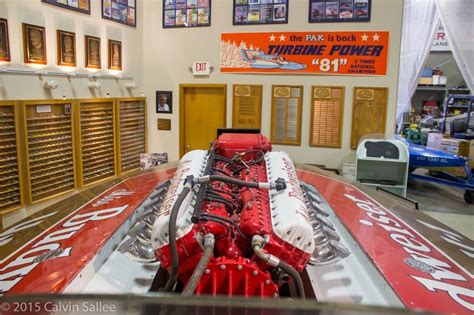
{"points": [[186, 13], [121, 11], [322, 11], [82, 6], [248, 12]]}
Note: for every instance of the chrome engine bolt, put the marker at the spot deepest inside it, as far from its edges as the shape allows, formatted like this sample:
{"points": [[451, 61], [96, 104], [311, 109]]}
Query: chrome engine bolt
{"points": [[222, 267], [267, 282], [255, 272], [207, 271], [239, 267]]}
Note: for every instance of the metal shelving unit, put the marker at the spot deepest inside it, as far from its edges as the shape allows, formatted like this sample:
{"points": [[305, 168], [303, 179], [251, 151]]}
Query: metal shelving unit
{"points": [[131, 132], [52, 147], [96, 135], [11, 192], [49, 149]]}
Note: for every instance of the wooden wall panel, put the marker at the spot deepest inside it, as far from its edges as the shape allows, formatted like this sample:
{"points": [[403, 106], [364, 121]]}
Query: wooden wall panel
{"points": [[369, 112], [286, 114], [326, 116], [247, 106]]}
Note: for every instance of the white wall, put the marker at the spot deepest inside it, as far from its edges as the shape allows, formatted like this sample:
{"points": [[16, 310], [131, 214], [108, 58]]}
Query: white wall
{"points": [[14, 86], [168, 53]]}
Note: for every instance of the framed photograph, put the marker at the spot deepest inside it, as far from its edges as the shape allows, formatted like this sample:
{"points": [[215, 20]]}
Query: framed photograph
{"points": [[82, 6], [115, 55], [164, 102], [149, 160], [4, 42], [121, 11], [34, 44], [321, 11], [186, 13], [251, 12], [66, 48], [93, 58]]}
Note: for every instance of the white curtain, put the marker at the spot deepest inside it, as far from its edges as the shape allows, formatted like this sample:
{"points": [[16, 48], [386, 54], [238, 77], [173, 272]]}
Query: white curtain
{"points": [[420, 18], [458, 21]]}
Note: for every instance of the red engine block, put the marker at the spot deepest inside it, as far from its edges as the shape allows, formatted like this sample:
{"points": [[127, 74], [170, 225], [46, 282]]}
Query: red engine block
{"points": [[234, 269]]}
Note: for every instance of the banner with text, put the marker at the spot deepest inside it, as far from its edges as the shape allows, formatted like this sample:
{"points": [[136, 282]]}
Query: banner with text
{"points": [[349, 53]]}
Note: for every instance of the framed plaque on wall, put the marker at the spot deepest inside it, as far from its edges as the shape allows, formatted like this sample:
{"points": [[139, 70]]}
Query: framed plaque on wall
{"points": [[327, 109], [4, 41], [247, 106], [369, 113], [286, 114]]}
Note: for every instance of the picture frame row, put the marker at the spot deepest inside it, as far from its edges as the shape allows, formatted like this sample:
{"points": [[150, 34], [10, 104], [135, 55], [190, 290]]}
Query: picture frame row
{"points": [[197, 13], [34, 47], [120, 11]]}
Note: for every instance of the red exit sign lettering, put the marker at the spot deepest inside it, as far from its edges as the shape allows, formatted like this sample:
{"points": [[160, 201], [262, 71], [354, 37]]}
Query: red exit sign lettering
{"points": [[201, 68]]}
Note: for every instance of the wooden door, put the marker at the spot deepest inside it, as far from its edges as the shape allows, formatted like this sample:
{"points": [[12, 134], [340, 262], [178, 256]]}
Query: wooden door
{"points": [[369, 113], [202, 112]]}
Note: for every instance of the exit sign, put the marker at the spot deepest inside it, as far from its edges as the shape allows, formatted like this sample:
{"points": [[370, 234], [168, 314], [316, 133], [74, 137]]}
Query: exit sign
{"points": [[201, 68]]}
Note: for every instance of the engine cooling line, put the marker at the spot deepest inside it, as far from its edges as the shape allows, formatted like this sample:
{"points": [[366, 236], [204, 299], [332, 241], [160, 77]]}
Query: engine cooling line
{"points": [[258, 243], [277, 185], [172, 236], [209, 242]]}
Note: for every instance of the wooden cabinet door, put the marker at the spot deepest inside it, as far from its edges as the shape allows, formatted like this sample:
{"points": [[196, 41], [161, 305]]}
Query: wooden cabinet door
{"points": [[369, 113]]}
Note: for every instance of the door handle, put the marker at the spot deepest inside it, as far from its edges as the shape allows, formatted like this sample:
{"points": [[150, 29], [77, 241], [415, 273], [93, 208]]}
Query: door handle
{"points": [[188, 147]]}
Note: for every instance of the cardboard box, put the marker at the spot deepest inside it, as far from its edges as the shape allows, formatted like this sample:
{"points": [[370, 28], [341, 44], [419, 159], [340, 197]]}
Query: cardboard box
{"points": [[426, 81], [456, 146], [435, 140], [349, 170], [459, 147]]}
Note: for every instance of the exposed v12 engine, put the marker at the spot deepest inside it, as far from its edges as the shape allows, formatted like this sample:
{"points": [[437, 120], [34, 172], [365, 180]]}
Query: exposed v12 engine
{"points": [[235, 221]]}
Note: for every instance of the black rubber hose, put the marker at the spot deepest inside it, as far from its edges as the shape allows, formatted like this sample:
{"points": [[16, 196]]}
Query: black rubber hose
{"points": [[296, 277], [219, 199], [200, 267], [234, 181], [235, 196], [232, 203], [172, 239]]}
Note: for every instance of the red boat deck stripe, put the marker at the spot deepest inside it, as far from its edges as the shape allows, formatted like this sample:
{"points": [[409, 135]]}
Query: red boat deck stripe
{"points": [[421, 275], [77, 238]]}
